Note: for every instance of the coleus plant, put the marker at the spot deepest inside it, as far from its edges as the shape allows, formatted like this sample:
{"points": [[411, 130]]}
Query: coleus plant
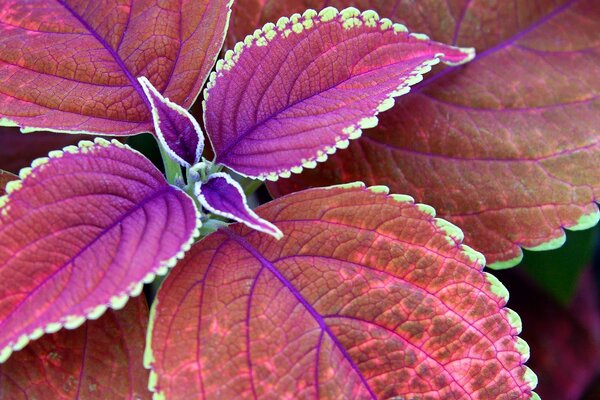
{"points": [[332, 292]]}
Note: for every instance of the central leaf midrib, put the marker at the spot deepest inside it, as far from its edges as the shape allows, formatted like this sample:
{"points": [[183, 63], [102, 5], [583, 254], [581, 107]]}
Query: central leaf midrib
{"points": [[134, 83], [316, 316], [99, 236]]}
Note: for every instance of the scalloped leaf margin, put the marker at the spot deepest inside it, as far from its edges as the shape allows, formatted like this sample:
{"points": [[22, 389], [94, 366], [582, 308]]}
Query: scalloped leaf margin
{"points": [[251, 313], [220, 99], [18, 213]]}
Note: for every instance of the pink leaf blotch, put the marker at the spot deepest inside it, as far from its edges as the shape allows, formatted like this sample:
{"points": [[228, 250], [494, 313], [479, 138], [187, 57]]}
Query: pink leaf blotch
{"points": [[70, 65], [82, 231], [176, 129], [286, 97], [100, 360], [366, 296], [508, 147], [223, 196]]}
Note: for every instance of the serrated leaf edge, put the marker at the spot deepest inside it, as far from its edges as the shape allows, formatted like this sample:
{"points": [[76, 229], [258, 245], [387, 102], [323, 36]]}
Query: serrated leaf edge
{"points": [[585, 221], [496, 288], [296, 24], [116, 302], [274, 231]]}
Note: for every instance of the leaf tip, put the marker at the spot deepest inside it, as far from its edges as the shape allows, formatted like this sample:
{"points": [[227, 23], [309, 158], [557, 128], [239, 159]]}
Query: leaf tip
{"points": [[426, 209], [5, 354], [379, 189], [523, 348], [473, 255], [514, 320], [453, 232], [530, 377], [500, 265], [551, 244], [496, 287], [586, 221]]}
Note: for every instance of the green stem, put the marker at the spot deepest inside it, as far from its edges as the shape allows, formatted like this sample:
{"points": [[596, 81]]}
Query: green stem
{"points": [[250, 185], [172, 169]]}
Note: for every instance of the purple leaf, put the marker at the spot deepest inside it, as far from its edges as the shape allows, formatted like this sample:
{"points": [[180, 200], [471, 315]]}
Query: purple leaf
{"points": [[223, 196], [291, 94], [82, 231], [177, 130], [70, 65]]}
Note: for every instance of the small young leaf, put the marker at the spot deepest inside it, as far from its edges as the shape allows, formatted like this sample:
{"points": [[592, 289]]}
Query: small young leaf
{"points": [[366, 296], [507, 148], [223, 196], [101, 360], [177, 130], [288, 96], [81, 232], [70, 65]]}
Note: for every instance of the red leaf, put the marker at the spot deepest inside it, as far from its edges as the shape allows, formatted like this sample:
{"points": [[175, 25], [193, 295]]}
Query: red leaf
{"points": [[101, 360], [366, 296], [296, 91], [82, 231], [71, 65], [506, 147]]}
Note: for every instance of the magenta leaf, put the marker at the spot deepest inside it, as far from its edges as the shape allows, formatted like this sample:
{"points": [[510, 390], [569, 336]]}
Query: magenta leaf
{"points": [[82, 231], [288, 96], [366, 296], [70, 65], [100, 360], [507, 147], [223, 196], [177, 130]]}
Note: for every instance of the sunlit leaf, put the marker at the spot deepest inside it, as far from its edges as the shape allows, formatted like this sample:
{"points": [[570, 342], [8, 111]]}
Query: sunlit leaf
{"points": [[294, 92], [365, 296], [81, 232], [506, 147], [71, 65], [100, 360]]}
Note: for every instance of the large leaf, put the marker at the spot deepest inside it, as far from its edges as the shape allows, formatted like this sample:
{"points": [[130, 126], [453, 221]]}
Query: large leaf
{"points": [[366, 296], [81, 232], [508, 146], [70, 65], [101, 360], [292, 93]]}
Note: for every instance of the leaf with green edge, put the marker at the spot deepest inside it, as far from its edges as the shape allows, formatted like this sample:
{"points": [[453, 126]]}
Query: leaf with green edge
{"points": [[294, 92], [70, 65], [507, 147], [82, 231], [100, 360], [558, 271], [366, 296]]}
